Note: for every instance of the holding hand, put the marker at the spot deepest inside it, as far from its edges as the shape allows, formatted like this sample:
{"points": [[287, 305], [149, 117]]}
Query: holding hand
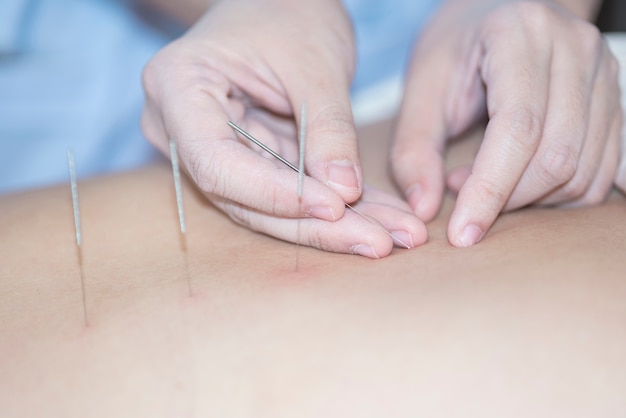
{"points": [[254, 62], [547, 82]]}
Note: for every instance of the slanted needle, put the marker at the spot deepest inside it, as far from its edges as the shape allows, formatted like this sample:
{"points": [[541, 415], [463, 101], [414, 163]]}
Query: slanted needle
{"points": [[300, 171]]}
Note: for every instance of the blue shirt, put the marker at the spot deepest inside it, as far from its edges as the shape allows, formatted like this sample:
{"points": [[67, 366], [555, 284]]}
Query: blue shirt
{"points": [[70, 77]]}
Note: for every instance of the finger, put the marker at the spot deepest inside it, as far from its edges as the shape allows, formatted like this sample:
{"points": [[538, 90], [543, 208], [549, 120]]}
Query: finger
{"points": [[443, 97], [395, 215], [600, 187], [620, 177], [221, 165], [419, 138], [350, 234], [563, 141], [407, 229], [374, 195], [604, 114], [516, 74], [575, 134], [331, 149]]}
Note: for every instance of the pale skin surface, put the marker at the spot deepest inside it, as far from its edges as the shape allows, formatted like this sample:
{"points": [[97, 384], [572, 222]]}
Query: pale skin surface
{"points": [[529, 323], [538, 69]]}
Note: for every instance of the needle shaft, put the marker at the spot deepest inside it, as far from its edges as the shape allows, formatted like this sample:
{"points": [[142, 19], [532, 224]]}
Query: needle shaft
{"points": [[71, 165], [301, 172], [181, 212], [302, 143]]}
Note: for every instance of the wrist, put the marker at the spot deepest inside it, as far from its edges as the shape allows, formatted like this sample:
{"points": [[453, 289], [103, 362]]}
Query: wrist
{"points": [[185, 12], [585, 9]]}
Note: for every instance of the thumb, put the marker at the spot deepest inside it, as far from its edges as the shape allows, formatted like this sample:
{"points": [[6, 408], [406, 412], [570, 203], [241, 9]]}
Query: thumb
{"points": [[332, 155]]}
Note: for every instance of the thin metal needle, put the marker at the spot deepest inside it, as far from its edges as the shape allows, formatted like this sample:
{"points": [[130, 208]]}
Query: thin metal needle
{"points": [[294, 168], [71, 166], [262, 145], [302, 141], [181, 213]]}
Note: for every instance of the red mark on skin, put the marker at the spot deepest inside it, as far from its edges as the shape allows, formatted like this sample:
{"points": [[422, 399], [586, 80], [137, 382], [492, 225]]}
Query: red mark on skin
{"points": [[87, 330], [197, 298], [287, 273]]}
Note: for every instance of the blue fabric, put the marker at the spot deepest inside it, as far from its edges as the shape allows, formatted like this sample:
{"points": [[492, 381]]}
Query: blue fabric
{"points": [[385, 33], [70, 77]]}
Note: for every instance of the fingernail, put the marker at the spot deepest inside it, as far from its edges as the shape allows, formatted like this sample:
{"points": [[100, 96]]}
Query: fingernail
{"points": [[470, 236], [364, 250], [321, 212], [403, 239], [342, 174]]}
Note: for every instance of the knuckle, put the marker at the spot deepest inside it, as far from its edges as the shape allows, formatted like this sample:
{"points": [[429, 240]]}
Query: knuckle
{"points": [[203, 168], [149, 126], [577, 187], [153, 71], [613, 68], [491, 191], [589, 38], [558, 164], [620, 178], [526, 126], [276, 200], [333, 121], [536, 15], [597, 196], [238, 214], [317, 239], [149, 76]]}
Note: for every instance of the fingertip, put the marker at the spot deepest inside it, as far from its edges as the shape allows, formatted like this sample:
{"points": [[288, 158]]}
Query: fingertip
{"points": [[366, 250], [411, 236], [464, 229], [424, 203], [469, 236]]}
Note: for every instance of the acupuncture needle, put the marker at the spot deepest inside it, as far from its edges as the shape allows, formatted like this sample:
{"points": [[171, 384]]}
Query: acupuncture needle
{"points": [[302, 142], [71, 165], [181, 213], [297, 170]]}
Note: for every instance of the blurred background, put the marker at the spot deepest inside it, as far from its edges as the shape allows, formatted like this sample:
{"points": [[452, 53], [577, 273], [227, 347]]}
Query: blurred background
{"points": [[70, 76]]}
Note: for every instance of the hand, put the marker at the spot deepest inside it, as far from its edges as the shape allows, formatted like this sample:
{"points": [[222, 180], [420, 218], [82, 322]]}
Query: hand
{"points": [[548, 84], [620, 177], [254, 62]]}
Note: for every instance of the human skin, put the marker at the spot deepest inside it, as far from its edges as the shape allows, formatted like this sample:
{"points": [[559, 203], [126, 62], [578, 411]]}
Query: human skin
{"points": [[529, 323], [536, 151], [548, 84]]}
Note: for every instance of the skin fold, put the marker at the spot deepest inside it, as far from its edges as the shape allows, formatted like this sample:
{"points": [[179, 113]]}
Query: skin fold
{"points": [[529, 323]]}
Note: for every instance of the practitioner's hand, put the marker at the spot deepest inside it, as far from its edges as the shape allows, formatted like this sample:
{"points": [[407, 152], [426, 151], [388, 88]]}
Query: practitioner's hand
{"points": [[620, 177], [548, 84], [255, 62]]}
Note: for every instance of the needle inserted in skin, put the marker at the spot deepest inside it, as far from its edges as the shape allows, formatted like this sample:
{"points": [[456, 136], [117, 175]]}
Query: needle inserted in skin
{"points": [[181, 212], [71, 166], [302, 141], [294, 168]]}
